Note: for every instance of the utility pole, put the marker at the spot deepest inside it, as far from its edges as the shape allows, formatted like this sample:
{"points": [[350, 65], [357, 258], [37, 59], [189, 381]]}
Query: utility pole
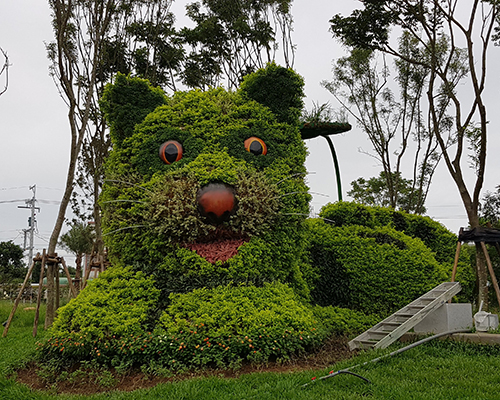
{"points": [[30, 204]]}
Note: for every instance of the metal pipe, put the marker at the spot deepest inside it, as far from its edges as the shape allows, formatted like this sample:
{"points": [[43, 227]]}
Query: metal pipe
{"points": [[411, 346]]}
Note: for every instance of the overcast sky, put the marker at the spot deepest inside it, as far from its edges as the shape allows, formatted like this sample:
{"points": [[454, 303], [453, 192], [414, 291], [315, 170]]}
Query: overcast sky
{"points": [[35, 134]]}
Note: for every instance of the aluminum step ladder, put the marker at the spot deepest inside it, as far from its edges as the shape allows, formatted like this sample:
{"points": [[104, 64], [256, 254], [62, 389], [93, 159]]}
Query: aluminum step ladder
{"points": [[392, 328]]}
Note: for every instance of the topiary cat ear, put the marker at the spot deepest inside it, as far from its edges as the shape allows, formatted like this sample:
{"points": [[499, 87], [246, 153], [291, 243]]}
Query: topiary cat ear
{"points": [[278, 88], [126, 102]]}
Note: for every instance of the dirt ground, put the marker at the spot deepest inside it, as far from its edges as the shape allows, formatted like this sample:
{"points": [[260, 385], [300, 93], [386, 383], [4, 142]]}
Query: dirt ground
{"points": [[332, 352]]}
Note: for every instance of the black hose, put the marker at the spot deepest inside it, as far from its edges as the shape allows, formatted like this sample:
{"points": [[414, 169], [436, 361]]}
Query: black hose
{"points": [[411, 346]]}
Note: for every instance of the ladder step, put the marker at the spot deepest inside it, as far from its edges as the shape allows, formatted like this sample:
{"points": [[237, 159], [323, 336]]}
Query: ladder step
{"points": [[377, 333], [404, 315], [393, 327]]}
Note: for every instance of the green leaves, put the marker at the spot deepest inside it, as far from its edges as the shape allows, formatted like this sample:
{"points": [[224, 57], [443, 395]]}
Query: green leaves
{"points": [[11, 262], [278, 88], [126, 102], [367, 28], [117, 302], [372, 270], [234, 37]]}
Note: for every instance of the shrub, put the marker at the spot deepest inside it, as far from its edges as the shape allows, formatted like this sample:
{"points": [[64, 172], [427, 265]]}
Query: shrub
{"points": [[342, 321], [373, 270], [116, 304], [210, 327], [434, 235], [245, 322]]}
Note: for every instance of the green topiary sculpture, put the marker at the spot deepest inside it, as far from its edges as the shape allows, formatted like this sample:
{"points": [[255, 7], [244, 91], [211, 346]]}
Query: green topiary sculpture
{"points": [[205, 214]]}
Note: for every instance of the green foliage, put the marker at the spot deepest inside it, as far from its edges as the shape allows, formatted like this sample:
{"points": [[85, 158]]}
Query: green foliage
{"points": [[366, 29], [374, 192], [118, 302], [435, 236], [126, 102], [343, 321], [490, 208], [79, 239], [12, 267], [232, 39], [237, 323], [278, 88], [373, 270], [432, 233], [219, 327]]}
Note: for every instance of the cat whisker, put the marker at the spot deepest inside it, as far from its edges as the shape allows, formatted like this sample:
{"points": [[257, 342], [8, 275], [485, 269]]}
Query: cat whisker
{"points": [[128, 183], [302, 191], [293, 176], [126, 227], [302, 214], [124, 201], [309, 215]]}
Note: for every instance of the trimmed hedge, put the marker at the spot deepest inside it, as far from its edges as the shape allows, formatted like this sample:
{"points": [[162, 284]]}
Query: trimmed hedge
{"points": [[372, 270], [434, 235], [219, 327]]}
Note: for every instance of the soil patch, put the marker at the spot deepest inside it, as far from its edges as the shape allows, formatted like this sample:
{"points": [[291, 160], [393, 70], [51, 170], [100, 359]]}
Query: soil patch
{"points": [[333, 351]]}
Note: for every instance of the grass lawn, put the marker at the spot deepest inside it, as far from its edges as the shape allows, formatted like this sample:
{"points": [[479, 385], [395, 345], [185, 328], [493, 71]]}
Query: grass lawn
{"points": [[436, 370]]}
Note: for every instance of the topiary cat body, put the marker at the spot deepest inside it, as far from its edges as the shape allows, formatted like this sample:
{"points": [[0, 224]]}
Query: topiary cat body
{"points": [[204, 213]]}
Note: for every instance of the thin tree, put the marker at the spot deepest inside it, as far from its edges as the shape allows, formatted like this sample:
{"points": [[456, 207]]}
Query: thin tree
{"points": [[4, 71], [440, 27], [74, 68], [394, 123], [140, 40]]}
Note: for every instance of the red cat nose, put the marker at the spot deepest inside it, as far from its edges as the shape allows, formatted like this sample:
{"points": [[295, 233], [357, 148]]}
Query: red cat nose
{"points": [[216, 202]]}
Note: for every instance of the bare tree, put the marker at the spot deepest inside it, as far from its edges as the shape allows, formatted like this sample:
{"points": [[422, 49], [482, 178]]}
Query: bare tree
{"points": [[74, 68], [456, 37], [5, 71], [93, 41]]}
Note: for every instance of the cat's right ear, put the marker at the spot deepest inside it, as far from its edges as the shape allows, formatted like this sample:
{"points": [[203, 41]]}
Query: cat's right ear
{"points": [[126, 102]]}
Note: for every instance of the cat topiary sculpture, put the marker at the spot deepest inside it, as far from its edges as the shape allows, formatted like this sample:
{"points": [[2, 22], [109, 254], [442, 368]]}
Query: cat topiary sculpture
{"points": [[205, 216]]}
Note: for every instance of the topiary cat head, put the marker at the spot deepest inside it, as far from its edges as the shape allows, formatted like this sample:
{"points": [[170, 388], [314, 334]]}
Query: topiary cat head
{"points": [[207, 188]]}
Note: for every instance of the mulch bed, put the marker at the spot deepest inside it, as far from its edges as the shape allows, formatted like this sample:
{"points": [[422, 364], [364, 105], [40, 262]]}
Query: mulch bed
{"points": [[331, 352]]}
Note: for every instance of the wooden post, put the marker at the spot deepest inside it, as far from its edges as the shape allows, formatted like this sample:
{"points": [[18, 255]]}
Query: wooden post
{"points": [[39, 296], [50, 310], [492, 273], [18, 298], [455, 264], [87, 274], [58, 287], [70, 283]]}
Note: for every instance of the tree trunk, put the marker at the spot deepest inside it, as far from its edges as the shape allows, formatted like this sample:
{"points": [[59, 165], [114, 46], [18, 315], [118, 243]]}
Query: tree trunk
{"points": [[75, 149], [50, 311], [78, 272], [482, 278]]}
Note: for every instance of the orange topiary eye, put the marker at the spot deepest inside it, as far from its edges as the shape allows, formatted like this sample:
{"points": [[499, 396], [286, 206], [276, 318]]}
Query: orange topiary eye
{"points": [[171, 151], [256, 146]]}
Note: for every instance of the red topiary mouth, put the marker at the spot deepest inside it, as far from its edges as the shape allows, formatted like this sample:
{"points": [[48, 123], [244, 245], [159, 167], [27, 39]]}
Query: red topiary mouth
{"points": [[217, 250], [220, 245]]}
